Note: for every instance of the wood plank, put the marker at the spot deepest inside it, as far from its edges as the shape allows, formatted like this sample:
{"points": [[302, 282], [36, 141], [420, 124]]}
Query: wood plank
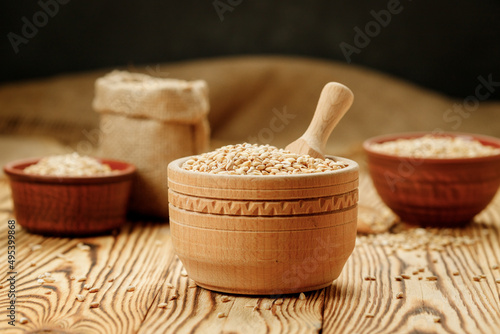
{"points": [[462, 304], [132, 257], [5, 198], [196, 310]]}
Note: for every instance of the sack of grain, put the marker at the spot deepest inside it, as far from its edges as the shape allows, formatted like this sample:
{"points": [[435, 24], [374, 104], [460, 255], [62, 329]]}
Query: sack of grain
{"points": [[149, 122]]}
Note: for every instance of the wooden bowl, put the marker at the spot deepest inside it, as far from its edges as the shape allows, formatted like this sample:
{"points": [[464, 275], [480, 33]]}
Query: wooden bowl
{"points": [[70, 206], [263, 235], [434, 192]]}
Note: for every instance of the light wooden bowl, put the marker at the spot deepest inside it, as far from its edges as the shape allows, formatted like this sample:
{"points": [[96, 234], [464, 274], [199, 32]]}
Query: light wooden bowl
{"points": [[263, 235]]}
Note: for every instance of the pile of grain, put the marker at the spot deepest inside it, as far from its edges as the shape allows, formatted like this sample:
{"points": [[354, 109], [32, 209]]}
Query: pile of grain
{"points": [[430, 146], [248, 159], [69, 165]]}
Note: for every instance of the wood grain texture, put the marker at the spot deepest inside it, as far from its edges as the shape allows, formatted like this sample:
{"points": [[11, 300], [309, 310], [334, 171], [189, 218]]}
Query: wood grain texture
{"points": [[462, 304], [5, 196], [134, 257], [196, 310], [130, 258]]}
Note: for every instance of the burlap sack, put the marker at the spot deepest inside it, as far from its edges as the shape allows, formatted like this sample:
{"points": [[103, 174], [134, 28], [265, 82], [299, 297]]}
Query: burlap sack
{"points": [[149, 122]]}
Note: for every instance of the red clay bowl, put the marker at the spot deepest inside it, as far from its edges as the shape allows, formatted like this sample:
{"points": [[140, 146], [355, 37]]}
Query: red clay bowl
{"points": [[434, 192], [71, 206]]}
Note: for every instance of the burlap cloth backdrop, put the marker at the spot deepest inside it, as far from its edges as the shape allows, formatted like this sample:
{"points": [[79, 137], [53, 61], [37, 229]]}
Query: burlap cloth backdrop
{"points": [[263, 99]]}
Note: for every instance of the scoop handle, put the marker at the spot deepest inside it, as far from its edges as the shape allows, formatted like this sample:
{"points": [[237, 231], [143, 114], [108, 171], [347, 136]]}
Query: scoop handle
{"points": [[333, 103]]}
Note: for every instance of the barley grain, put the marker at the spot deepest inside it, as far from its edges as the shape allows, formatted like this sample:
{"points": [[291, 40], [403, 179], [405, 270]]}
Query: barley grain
{"points": [[23, 320], [49, 279], [247, 159], [81, 246], [429, 146], [68, 165]]}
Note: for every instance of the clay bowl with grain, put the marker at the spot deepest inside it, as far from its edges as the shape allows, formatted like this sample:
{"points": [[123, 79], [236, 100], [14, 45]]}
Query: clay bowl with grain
{"points": [[440, 192], [263, 234], [70, 206]]}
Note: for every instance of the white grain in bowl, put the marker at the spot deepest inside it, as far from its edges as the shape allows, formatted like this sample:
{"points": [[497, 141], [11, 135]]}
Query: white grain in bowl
{"points": [[71, 164], [429, 146]]}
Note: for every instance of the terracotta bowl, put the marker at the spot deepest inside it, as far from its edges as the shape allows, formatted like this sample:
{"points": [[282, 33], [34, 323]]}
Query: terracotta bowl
{"points": [[434, 192], [70, 206], [263, 235]]}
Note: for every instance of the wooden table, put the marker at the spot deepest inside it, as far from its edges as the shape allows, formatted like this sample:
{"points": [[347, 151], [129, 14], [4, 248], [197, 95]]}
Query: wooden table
{"points": [[362, 300]]}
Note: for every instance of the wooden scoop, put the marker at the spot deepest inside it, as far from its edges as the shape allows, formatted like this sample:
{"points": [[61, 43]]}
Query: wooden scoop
{"points": [[334, 101]]}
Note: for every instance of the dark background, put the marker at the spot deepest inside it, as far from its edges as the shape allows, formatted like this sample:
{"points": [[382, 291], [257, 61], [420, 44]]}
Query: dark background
{"points": [[442, 45]]}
